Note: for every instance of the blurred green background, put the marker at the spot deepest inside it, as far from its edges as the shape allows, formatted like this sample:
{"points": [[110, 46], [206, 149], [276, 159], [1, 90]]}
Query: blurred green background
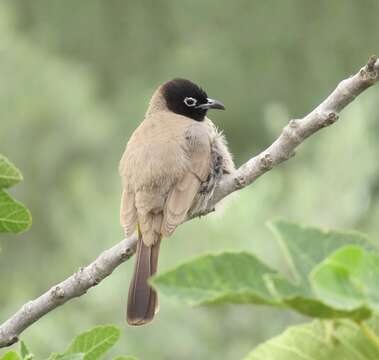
{"points": [[75, 80]]}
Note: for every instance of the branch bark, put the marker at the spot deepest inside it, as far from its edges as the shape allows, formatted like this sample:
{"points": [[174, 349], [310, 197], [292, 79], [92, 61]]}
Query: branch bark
{"points": [[281, 150]]}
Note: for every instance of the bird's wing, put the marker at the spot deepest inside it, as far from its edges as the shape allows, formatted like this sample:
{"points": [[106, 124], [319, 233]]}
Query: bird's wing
{"points": [[128, 212], [181, 196], [153, 160]]}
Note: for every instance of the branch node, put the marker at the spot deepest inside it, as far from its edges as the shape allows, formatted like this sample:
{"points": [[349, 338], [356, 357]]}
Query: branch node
{"points": [[11, 340], [266, 162], [57, 292], [78, 274], [368, 73], [239, 181], [331, 118], [27, 308], [126, 253], [291, 131], [371, 63]]}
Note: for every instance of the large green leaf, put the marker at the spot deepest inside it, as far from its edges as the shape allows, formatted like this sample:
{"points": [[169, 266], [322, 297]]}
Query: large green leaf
{"points": [[14, 217], [348, 279], [320, 340], [94, 343], [304, 247], [243, 278], [224, 278], [9, 174]]}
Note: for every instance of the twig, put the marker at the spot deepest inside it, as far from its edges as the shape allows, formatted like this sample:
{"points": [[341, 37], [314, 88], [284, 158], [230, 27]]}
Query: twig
{"points": [[282, 149]]}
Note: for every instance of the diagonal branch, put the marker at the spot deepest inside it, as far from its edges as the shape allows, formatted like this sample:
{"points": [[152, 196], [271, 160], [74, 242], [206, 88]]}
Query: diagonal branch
{"points": [[298, 130], [281, 150], [74, 286]]}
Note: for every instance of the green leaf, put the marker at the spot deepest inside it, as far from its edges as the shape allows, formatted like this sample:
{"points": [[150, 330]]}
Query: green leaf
{"points": [[241, 278], [214, 279], [348, 279], [301, 299], [25, 353], [10, 355], [14, 217], [320, 340], [304, 247], [125, 358], [9, 174], [93, 343]]}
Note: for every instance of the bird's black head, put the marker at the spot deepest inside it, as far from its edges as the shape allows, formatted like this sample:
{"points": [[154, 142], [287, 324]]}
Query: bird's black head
{"points": [[186, 98]]}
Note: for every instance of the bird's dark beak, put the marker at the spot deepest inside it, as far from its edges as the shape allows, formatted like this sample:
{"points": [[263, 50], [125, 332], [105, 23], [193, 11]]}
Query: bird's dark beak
{"points": [[212, 104]]}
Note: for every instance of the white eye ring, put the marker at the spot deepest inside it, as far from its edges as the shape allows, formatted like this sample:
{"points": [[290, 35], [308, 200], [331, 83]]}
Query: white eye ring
{"points": [[190, 101]]}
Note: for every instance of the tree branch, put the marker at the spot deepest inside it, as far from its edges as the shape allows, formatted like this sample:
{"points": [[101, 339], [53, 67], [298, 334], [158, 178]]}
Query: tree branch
{"points": [[298, 130], [282, 149], [76, 285]]}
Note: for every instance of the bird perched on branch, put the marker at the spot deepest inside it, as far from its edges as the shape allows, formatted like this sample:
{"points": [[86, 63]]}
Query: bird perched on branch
{"points": [[170, 168]]}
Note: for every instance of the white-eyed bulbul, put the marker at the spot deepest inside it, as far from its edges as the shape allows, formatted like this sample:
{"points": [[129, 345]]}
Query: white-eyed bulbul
{"points": [[170, 168]]}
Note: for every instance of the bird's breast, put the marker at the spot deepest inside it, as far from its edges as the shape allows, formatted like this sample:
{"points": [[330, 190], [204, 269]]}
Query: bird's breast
{"points": [[156, 157]]}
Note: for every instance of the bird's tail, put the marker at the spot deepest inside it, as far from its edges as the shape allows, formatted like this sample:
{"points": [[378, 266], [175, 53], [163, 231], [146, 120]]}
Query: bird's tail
{"points": [[142, 299]]}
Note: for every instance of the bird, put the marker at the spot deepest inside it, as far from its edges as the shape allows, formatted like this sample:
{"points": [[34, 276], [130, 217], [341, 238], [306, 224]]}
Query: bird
{"points": [[169, 170]]}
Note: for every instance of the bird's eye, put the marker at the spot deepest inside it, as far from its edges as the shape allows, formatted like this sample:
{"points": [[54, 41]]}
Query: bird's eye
{"points": [[190, 101]]}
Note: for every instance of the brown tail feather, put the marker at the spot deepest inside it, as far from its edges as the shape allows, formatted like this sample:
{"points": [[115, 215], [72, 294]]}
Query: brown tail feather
{"points": [[142, 299]]}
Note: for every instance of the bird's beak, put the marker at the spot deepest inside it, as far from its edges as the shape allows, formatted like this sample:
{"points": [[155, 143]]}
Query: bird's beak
{"points": [[212, 104]]}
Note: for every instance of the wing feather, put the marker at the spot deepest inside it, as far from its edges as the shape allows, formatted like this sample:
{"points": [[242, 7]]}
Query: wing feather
{"points": [[128, 212]]}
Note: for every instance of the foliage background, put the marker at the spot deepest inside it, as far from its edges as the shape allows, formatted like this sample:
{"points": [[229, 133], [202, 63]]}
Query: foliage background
{"points": [[75, 81]]}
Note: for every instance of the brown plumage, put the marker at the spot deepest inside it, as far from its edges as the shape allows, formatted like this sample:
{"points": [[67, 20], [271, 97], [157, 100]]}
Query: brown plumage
{"points": [[169, 169]]}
